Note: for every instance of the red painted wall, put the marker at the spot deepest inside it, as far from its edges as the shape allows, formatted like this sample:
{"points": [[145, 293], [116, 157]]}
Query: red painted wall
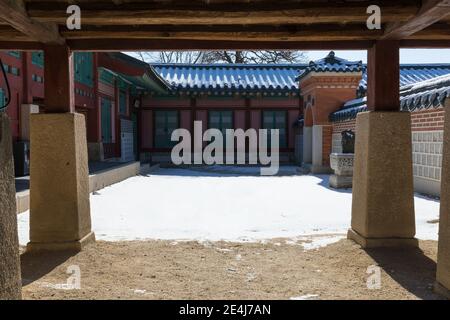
{"points": [[146, 129], [247, 113], [16, 83]]}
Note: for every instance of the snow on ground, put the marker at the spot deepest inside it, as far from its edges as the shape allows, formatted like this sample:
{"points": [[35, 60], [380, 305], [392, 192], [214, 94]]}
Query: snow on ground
{"points": [[231, 204]]}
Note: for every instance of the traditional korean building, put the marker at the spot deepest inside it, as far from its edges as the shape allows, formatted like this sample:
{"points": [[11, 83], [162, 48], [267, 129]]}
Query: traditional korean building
{"points": [[131, 108], [108, 87], [222, 96], [425, 92]]}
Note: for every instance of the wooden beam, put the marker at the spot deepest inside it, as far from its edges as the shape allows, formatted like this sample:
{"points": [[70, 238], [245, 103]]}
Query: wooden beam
{"points": [[59, 79], [383, 76], [223, 12], [431, 12], [15, 15], [228, 33], [126, 44], [425, 44], [20, 45], [8, 33], [438, 31]]}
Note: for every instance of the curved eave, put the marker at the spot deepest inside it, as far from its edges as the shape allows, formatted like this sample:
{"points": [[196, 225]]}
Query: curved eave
{"points": [[419, 101]]}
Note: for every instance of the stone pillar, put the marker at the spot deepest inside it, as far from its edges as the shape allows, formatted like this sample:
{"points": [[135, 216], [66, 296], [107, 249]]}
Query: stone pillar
{"points": [[442, 285], [25, 111], [10, 279], [383, 193], [307, 145], [59, 194]]}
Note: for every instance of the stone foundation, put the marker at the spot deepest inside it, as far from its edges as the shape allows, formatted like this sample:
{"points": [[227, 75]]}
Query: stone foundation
{"points": [[59, 180], [383, 195]]}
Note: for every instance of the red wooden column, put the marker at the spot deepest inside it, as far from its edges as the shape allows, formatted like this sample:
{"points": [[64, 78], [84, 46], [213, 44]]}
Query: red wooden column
{"points": [[383, 72], [383, 192], [59, 176], [59, 79]]}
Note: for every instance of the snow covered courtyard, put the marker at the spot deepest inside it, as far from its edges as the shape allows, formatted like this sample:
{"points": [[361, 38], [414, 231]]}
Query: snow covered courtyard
{"points": [[228, 203]]}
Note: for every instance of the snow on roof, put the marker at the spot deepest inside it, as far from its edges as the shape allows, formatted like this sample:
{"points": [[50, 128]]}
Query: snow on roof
{"points": [[426, 94], [331, 63], [413, 73], [231, 77]]}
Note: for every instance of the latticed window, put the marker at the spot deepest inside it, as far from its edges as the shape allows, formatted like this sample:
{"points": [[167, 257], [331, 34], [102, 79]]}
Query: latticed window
{"points": [[276, 120], [165, 123], [84, 68], [221, 120]]}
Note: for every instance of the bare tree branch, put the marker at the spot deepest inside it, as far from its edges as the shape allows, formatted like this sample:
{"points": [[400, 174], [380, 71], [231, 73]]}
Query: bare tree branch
{"points": [[231, 57]]}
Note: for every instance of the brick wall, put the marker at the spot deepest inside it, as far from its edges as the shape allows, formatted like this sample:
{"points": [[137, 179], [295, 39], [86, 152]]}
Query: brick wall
{"points": [[338, 127], [428, 120], [427, 141]]}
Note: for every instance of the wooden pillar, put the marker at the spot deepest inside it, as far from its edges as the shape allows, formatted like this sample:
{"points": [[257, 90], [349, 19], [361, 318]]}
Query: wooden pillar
{"points": [[59, 176], [383, 77], [383, 192], [59, 79]]}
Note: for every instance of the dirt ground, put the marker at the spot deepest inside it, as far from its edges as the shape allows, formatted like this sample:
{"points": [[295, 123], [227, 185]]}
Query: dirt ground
{"points": [[191, 270]]}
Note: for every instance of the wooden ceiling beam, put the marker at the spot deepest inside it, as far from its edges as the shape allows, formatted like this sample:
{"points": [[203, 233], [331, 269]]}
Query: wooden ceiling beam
{"points": [[212, 13], [14, 14], [431, 12], [20, 45], [229, 33], [127, 44], [425, 44]]}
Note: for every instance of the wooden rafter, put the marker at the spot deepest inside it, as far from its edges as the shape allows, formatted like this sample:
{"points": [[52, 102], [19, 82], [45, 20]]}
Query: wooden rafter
{"points": [[14, 14], [431, 12], [203, 24]]}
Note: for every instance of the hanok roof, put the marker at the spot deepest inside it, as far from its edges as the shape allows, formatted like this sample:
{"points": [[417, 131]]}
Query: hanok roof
{"points": [[149, 81], [217, 79], [331, 63], [411, 74], [427, 94], [274, 79]]}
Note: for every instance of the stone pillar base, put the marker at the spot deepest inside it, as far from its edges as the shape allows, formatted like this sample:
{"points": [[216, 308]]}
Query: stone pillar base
{"points": [[75, 246], [441, 290], [10, 279], [368, 243], [341, 182], [59, 179], [383, 193]]}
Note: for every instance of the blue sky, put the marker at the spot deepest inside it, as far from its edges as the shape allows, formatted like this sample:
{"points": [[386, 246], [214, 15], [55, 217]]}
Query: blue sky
{"points": [[406, 55]]}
